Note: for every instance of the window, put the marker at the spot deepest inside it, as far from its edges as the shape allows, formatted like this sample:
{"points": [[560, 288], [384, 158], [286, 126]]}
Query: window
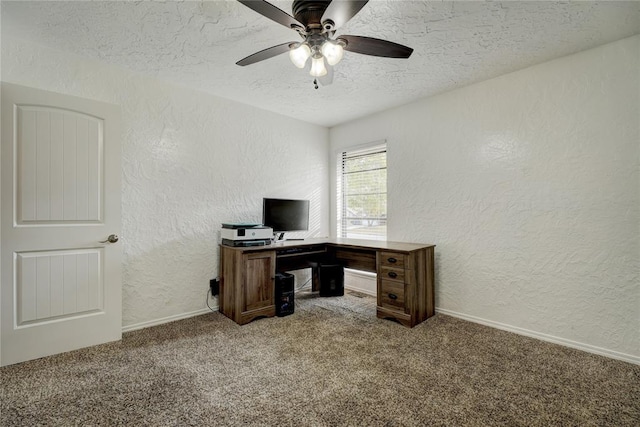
{"points": [[362, 193]]}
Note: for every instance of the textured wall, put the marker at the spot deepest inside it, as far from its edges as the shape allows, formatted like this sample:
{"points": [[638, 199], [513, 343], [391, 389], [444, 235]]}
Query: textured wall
{"points": [[190, 162], [529, 186]]}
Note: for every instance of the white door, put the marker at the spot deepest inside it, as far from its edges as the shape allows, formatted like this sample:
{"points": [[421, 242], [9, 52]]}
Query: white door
{"points": [[60, 285]]}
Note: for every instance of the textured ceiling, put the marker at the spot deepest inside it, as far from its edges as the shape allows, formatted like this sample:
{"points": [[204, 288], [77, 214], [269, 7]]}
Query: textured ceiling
{"points": [[196, 44]]}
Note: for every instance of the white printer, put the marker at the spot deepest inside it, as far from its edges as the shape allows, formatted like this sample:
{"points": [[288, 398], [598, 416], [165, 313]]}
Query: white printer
{"points": [[246, 234]]}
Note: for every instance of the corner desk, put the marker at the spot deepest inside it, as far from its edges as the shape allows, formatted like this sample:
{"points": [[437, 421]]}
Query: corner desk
{"points": [[405, 275]]}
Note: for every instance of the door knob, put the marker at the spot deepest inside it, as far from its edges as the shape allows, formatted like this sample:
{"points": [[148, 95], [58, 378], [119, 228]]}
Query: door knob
{"points": [[111, 239]]}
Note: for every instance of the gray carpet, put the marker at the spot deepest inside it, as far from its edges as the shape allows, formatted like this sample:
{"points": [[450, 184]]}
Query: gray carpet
{"points": [[332, 363]]}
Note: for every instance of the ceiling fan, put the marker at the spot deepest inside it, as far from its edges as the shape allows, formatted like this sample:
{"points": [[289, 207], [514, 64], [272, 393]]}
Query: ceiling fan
{"points": [[316, 21]]}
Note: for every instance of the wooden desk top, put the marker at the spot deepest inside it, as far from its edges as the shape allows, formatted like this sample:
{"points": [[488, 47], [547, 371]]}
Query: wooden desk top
{"points": [[352, 243]]}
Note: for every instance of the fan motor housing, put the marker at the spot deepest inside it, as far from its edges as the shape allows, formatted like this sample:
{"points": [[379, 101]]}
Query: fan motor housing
{"points": [[309, 12]]}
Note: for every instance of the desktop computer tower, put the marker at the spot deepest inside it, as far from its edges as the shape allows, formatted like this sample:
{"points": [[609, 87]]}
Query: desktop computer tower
{"points": [[331, 278], [284, 294]]}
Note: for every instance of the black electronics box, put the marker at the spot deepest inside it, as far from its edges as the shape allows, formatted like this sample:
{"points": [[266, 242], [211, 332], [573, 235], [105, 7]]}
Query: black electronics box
{"points": [[331, 278], [284, 294]]}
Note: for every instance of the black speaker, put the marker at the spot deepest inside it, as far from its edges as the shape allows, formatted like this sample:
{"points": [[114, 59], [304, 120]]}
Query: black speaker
{"points": [[284, 294], [331, 278]]}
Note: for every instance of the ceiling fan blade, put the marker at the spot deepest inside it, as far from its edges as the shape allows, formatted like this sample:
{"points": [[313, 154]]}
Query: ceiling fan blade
{"points": [[340, 11], [376, 47], [267, 53], [272, 12]]}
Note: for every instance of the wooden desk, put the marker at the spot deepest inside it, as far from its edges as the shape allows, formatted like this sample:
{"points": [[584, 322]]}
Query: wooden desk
{"points": [[405, 275]]}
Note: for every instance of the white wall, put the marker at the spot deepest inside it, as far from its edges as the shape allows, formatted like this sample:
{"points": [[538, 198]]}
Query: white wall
{"points": [[529, 185], [190, 162]]}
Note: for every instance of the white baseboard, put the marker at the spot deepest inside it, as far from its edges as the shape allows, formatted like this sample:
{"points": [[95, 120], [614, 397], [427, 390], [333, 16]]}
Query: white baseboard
{"points": [[544, 337], [173, 318]]}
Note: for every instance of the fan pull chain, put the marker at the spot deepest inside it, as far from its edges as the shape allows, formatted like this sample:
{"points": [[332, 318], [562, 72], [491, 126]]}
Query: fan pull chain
{"points": [[315, 83]]}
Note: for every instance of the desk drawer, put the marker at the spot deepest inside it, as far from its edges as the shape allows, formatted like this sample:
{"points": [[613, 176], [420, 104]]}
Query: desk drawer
{"points": [[389, 273], [392, 259], [392, 295]]}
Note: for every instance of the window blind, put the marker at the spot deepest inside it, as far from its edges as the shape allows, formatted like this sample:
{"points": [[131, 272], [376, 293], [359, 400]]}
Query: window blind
{"points": [[362, 198]]}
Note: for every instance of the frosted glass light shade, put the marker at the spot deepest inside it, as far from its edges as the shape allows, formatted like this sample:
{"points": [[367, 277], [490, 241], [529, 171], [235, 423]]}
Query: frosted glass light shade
{"points": [[317, 67], [300, 55], [332, 51]]}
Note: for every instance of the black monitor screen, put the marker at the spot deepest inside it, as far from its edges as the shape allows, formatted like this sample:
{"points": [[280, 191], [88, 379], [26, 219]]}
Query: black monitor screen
{"points": [[285, 215]]}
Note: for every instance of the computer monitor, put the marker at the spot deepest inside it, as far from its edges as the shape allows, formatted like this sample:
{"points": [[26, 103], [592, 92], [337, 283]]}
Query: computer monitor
{"points": [[285, 215]]}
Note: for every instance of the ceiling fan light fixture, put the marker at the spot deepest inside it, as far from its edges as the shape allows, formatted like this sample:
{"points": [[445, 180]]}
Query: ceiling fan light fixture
{"points": [[333, 51], [317, 67], [300, 54]]}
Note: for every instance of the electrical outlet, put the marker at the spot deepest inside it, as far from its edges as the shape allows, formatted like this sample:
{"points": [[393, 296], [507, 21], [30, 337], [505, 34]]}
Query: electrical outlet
{"points": [[214, 284]]}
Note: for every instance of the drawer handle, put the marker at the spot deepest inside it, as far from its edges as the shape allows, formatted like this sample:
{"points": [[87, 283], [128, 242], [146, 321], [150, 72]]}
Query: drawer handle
{"points": [[392, 260], [393, 274], [393, 296]]}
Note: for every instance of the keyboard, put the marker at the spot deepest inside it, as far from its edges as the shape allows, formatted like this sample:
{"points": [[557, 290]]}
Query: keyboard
{"points": [[300, 250]]}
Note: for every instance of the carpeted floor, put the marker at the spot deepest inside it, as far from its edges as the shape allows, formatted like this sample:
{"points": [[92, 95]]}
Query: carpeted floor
{"points": [[332, 363]]}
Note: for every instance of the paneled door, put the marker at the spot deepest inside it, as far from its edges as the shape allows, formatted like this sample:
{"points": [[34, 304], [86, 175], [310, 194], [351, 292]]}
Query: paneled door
{"points": [[60, 257]]}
